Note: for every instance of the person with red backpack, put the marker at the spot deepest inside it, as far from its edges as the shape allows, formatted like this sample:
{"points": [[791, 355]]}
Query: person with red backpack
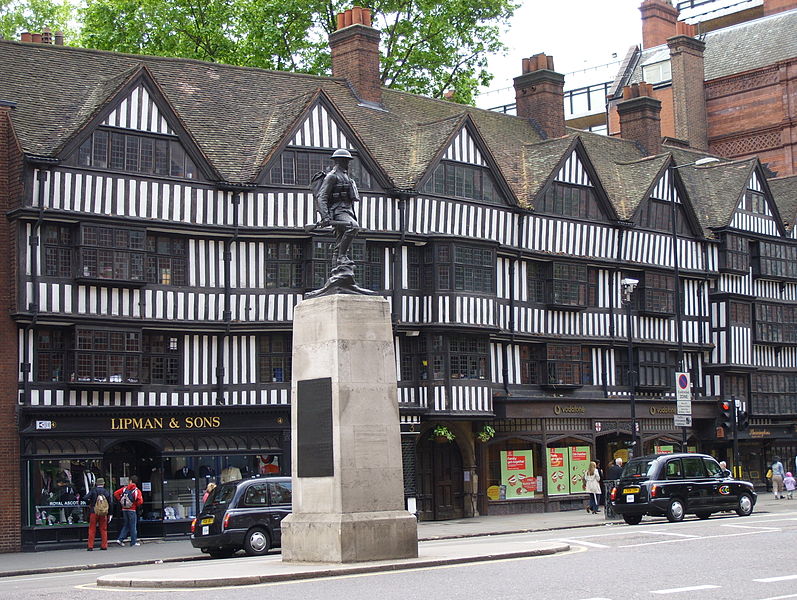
{"points": [[129, 498], [99, 501]]}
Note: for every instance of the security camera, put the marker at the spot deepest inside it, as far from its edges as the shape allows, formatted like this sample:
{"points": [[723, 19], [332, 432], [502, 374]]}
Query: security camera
{"points": [[629, 283]]}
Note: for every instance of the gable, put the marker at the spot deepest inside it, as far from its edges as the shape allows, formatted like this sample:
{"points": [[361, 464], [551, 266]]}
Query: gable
{"points": [[466, 170], [464, 149], [138, 132], [572, 192], [318, 132], [139, 111], [755, 211], [656, 211]]}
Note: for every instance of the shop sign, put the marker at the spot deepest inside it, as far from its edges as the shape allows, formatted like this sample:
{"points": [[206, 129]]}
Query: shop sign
{"points": [[568, 410], [664, 449], [759, 433], [662, 410], [160, 423], [517, 474]]}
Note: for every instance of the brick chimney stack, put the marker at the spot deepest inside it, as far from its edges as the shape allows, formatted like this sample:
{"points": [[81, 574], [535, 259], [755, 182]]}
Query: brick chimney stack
{"points": [[775, 6], [45, 37], [658, 22], [355, 53], [539, 94], [688, 87], [640, 117]]}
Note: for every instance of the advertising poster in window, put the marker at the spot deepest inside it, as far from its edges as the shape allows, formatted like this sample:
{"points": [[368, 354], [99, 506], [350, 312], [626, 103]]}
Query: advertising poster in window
{"points": [[664, 449], [579, 462], [517, 474], [558, 468]]}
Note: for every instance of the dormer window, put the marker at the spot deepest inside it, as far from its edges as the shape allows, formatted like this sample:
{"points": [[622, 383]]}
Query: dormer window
{"points": [[657, 72], [461, 180], [569, 200], [135, 153], [296, 167], [754, 202]]}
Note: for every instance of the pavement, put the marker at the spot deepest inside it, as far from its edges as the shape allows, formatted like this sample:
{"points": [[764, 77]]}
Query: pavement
{"points": [[441, 542]]}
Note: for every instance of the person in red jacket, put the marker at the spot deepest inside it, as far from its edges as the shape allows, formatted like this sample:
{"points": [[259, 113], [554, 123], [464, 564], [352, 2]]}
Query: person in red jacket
{"points": [[129, 498]]}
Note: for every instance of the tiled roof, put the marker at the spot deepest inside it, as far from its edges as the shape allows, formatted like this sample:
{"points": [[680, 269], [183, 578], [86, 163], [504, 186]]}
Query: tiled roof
{"points": [[736, 49], [239, 116], [784, 190]]}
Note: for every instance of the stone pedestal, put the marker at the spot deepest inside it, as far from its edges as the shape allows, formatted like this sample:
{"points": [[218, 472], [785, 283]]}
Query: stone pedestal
{"points": [[348, 492]]}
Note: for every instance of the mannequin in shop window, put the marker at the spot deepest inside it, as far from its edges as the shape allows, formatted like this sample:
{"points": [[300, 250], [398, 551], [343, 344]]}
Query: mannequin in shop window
{"points": [[184, 473]]}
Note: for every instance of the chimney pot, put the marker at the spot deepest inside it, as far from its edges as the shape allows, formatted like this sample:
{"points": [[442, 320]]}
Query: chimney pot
{"points": [[59, 38], [26, 36], [539, 94], [355, 53], [37, 38], [47, 36], [640, 117], [659, 18]]}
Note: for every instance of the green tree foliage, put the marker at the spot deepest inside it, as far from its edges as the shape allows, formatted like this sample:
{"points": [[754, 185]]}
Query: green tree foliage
{"points": [[17, 16], [427, 47]]}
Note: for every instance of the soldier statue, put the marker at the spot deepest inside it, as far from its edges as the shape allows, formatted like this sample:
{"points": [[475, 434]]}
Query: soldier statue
{"points": [[335, 198]]}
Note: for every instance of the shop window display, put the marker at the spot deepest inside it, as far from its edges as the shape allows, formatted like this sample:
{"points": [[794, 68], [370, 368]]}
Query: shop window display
{"points": [[514, 465], [58, 489]]}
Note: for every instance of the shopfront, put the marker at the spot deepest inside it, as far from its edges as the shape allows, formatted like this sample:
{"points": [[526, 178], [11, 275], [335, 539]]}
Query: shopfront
{"points": [[541, 449], [174, 454]]}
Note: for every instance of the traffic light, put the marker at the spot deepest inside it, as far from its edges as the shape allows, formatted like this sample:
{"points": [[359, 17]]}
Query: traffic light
{"points": [[726, 414], [743, 421]]}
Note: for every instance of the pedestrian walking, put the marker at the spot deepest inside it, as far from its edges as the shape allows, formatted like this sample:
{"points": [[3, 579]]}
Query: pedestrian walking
{"points": [[615, 470], [99, 501], [790, 484], [129, 498], [777, 478], [600, 474], [592, 484]]}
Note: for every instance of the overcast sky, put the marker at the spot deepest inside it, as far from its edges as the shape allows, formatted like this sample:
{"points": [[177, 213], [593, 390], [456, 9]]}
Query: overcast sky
{"points": [[580, 34]]}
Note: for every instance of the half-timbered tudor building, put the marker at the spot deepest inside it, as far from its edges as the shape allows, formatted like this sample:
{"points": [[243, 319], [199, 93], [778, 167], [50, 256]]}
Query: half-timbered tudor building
{"points": [[154, 252]]}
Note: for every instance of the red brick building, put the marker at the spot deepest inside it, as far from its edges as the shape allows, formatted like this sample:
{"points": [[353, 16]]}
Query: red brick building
{"points": [[726, 85]]}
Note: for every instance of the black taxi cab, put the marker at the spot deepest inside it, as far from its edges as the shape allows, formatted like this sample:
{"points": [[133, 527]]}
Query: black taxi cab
{"points": [[673, 485], [245, 514]]}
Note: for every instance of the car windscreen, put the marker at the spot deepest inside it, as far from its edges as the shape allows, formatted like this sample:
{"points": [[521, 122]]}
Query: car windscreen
{"points": [[221, 495], [639, 467]]}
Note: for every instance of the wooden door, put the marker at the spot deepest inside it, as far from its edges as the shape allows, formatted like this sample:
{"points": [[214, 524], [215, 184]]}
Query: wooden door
{"points": [[440, 482]]}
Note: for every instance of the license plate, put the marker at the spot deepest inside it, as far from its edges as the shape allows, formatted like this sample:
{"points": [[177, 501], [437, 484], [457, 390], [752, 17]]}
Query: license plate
{"points": [[629, 498], [205, 530], [631, 490], [207, 521]]}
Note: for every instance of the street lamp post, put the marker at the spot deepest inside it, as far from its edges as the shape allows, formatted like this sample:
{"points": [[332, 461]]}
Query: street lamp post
{"points": [[629, 285]]}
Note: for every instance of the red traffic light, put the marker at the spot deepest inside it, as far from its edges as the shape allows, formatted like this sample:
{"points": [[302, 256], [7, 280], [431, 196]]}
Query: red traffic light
{"points": [[725, 405]]}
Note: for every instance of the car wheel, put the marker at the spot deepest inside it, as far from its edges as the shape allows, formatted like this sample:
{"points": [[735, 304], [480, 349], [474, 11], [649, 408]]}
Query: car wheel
{"points": [[703, 515], [676, 510], [257, 542], [632, 519], [220, 552], [745, 505]]}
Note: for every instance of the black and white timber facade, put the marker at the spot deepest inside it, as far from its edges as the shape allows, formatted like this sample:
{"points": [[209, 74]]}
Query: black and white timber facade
{"points": [[160, 249]]}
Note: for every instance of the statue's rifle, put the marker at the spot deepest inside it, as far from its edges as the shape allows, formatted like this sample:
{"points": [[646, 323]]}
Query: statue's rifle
{"points": [[320, 225]]}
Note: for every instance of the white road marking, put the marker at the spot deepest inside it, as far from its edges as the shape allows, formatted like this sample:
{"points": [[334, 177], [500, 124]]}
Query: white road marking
{"points": [[693, 588], [686, 535], [780, 597], [773, 579], [758, 527], [581, 543], [706, 537]]}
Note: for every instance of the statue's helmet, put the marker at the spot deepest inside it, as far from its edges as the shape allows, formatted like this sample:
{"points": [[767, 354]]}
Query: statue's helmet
{"points": [[341, 153]]}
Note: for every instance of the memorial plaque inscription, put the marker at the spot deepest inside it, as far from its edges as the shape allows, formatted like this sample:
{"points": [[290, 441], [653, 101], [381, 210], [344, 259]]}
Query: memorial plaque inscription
{"points": [[314, 428]]}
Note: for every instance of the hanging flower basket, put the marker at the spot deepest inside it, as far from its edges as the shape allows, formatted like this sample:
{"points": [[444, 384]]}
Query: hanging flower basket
{"points": [[486, 434], [442, 435]]}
